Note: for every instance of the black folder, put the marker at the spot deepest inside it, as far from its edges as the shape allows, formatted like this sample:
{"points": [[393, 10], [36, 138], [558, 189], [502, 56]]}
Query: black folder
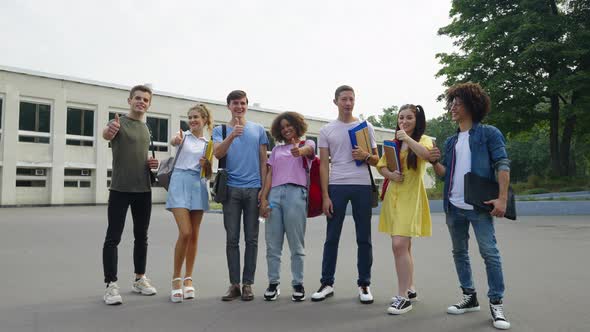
{"points": [[479, 190]]}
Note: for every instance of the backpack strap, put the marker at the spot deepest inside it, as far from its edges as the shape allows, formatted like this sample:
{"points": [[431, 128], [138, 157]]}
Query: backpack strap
{"points": [[223, 161]]}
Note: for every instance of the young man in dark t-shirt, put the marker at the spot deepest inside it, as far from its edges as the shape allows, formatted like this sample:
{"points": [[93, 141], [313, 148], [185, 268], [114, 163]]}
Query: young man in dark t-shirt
{"points": [[130, 186]]}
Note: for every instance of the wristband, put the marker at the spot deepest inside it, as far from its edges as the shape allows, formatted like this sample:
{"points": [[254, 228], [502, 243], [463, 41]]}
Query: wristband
{"points": [[368, 157]]}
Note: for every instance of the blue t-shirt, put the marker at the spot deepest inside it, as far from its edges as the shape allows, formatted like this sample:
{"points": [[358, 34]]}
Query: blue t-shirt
{"points": [[243, 155]]}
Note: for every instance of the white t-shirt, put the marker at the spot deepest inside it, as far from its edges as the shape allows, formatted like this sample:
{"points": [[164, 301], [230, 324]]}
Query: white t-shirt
{"points": [[344, 170], [192, 150], [462, 167]]}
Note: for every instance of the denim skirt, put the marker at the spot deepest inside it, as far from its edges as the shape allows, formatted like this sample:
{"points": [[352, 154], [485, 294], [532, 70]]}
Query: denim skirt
{"points": [[187, 190]]}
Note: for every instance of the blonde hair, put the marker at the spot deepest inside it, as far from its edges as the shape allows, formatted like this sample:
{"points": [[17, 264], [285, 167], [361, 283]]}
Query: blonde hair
{"points": [[205, 114]]}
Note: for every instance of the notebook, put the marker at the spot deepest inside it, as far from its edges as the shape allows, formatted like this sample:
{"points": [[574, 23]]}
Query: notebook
{"points": [[478, 190]]}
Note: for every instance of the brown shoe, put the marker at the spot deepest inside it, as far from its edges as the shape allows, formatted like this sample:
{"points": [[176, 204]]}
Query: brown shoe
{"points": [[247, 294], [233, 292]]}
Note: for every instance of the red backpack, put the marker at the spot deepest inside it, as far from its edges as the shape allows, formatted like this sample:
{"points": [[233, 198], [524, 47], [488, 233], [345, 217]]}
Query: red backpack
{"points": [[314, 187]]}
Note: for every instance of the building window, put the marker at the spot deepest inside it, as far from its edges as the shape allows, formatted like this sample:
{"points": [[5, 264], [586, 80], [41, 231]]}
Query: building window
{"points": [[80, 127], [380, 149], [77, 172], [271, 141], [34, 122], [30, 183], [184, 125], [315, 140], [31, 177], [77, 178], [159, 131]]}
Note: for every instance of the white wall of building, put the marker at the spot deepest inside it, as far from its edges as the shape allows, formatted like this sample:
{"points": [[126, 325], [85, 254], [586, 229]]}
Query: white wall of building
{"points": [[28, 164]]}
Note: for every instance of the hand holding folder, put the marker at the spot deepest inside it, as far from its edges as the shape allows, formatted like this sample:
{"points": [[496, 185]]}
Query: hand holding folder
{"points": [[360, 137], [479, 190], [392, 149], [209, 156]]}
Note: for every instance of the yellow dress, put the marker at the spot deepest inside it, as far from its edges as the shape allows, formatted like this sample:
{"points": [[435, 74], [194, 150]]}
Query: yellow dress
{"points": [[405, 210]]}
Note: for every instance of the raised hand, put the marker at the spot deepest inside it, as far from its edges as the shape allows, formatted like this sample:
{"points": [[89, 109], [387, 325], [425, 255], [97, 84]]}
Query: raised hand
{"points": [[401, 135], [295, 150], [238, 127], [113, 127], [178, 138]]}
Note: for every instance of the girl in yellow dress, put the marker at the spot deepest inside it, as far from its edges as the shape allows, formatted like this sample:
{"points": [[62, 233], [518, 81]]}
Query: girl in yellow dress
{"points": [[405, 212]]}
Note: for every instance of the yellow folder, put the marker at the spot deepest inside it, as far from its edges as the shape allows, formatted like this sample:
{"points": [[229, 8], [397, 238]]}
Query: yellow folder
{"points": [[208, 155]]}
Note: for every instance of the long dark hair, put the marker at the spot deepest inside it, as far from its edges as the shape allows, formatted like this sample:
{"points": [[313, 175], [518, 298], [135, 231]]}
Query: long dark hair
{"points": [[412, 161]]}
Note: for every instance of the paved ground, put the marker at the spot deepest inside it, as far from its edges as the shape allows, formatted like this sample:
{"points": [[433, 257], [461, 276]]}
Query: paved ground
{"points": [[51, 279]]}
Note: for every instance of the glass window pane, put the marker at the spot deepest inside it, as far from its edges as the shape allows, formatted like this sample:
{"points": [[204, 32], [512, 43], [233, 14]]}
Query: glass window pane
{"points": [[1, 113], [27, 115], [88, 123], [42, 140], [71, 184], [153, 126], [26, 139], [44, 120], [72, 172], [163, 132], [183, 125], [74, 122], [84, 184], [73, 142]]}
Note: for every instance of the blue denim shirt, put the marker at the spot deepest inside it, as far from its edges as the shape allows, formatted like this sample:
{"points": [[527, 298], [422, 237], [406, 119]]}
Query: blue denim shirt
{"points": [[488, 155]]}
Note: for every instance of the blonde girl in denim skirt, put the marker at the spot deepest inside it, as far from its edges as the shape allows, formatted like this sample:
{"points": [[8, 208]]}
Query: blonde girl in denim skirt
{"points": [[188, 198]]}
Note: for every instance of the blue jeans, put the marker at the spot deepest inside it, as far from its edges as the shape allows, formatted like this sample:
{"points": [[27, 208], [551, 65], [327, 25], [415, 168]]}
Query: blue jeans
{"points": [[360, 197], [458, 221], [288, 216]]}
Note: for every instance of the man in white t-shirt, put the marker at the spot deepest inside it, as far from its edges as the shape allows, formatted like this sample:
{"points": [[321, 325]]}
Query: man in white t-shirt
{"points": [[480, 149], [344, 182]]}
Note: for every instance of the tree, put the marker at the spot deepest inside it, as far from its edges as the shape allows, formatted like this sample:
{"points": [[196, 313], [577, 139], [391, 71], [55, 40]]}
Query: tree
{"points": [[387, 120], [525, 53]]}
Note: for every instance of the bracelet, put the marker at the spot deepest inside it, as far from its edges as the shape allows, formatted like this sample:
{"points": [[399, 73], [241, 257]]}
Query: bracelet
{"points": [[368, 157]]}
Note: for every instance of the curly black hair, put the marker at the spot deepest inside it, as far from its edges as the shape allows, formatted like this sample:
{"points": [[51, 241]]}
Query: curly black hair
{"points": [[475, 100], [295, 119]]}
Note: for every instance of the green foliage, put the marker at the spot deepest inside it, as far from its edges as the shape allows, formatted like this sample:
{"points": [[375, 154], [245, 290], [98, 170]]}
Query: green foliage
{"points": [[387, 120], [526, 53]]}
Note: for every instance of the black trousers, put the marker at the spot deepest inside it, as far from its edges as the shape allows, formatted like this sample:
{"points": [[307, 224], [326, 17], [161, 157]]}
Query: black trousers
{"points": [[141, 209]]}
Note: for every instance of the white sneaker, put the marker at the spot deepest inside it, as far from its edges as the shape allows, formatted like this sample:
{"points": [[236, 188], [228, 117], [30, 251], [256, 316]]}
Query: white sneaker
{"points": [[143, 286], [498, 317], [365, 295], [322, 293], [111, 295]]}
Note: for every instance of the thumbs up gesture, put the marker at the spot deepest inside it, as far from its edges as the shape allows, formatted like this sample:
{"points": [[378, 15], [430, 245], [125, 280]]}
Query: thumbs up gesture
{"points": [[113, 127], [295, 150], [178, 138], [238, 127]]}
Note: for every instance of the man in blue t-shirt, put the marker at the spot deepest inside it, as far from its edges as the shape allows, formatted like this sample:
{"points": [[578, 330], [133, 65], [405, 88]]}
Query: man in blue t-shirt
{"points": [[245, 148]]}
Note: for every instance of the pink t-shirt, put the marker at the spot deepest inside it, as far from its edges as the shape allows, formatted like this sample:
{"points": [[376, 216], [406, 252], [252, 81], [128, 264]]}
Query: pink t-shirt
{"points": [[285, 167]]}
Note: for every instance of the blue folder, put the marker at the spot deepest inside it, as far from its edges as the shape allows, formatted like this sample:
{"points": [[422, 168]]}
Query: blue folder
{"points": [[352, 134]]}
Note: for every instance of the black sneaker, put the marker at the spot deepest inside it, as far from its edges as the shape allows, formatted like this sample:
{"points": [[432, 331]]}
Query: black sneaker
{"points": [[399, 305], [272, 292], [498, 318], [467, 304], [298, 293], [412, 295]]}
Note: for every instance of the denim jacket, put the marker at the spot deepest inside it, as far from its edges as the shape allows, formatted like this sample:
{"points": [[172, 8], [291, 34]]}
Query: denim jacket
{"points": [[488, 155]]}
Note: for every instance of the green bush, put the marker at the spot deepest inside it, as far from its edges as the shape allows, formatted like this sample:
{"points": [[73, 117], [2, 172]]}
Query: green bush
{"points": [[571, 189], [535, 191]]}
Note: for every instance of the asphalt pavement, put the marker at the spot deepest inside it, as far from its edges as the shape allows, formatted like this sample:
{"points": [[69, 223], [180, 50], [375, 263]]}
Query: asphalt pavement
{"points": [[51, 278]]}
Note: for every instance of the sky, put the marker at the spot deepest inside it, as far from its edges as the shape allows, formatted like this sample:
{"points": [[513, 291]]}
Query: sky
{"points": [[287, 55]]}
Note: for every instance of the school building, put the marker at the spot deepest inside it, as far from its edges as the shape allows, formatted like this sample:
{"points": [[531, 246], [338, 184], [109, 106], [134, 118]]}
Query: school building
{"points": [[51, 146]]}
